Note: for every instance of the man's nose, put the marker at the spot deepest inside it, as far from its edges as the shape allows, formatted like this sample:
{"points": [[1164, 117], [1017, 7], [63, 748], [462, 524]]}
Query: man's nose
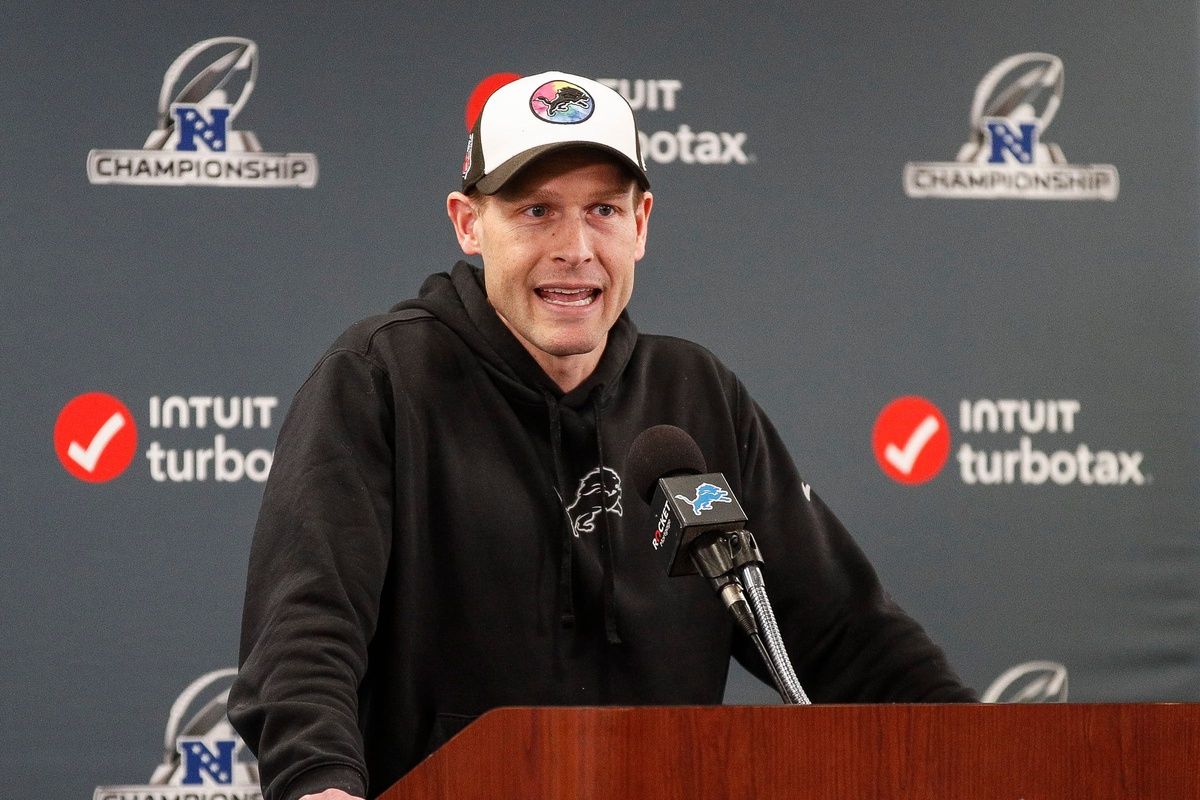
{"points": [[573, 241]]}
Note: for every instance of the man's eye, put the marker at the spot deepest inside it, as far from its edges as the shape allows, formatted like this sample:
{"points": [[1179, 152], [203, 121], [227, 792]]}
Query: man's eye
{"points": [[606, 210], [537, 211]]}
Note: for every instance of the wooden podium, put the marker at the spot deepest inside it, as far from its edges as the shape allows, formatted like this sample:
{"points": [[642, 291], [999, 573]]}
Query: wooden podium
{"points": [[939, 752]]}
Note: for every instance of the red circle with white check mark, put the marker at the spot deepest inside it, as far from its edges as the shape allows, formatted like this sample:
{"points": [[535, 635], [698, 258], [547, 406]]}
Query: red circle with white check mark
{"points": [[911, 440], [95, 437]]}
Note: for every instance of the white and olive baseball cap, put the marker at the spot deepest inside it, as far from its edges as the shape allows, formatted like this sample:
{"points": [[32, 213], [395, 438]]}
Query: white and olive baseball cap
{"points": [[539, 114]]}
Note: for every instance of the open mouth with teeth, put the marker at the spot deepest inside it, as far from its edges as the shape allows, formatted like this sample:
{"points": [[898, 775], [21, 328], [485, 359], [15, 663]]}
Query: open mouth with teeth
{"points": [[561, 296]]}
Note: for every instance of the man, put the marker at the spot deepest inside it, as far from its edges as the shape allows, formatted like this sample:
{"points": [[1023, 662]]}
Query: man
{"points": [[446, 528]]}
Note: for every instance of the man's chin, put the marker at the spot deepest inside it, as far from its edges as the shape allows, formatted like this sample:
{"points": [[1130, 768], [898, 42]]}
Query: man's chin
{"points": [[569, 350], [567, 347]]}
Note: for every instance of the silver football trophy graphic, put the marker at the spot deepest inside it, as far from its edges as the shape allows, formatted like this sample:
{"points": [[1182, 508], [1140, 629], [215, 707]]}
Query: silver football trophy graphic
{"points": [[194, 144], [203, 757], [210, 88], [1006, 156], [1031, 682], [1026, 89]]}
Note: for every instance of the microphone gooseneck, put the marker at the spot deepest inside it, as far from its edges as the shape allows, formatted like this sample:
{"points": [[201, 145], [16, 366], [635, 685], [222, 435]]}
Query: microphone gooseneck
{"points": [[786, 680]]}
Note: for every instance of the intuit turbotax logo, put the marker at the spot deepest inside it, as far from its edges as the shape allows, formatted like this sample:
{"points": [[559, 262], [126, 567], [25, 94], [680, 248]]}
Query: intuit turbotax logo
{"points": [[195, 143], [1007, 155], [194, 438], [683, 144], [1031, 442]]}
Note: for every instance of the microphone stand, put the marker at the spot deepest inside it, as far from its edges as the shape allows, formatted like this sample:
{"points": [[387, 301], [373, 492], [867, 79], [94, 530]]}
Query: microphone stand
{"points": [[732, 562]]}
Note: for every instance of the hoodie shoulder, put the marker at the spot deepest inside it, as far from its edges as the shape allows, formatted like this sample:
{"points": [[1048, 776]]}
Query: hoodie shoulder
{"points": [[360, 337], [359, 340], [682, 362], [659, 347]]}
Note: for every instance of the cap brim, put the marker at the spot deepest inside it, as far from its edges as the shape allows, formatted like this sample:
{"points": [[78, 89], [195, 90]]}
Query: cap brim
{"points": [[494, 181]]}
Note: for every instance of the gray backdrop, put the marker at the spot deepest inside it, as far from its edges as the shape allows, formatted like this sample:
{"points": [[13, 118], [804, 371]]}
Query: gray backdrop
{"points": [[807, 269]]}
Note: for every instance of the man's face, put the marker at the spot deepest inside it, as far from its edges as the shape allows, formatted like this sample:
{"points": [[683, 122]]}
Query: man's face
{"points": [[559, 244]]}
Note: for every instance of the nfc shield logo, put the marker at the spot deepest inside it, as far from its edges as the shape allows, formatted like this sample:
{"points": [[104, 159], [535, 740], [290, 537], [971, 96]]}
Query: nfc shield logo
{"points": [[1006, 146], [194, 128], [201, 765]]}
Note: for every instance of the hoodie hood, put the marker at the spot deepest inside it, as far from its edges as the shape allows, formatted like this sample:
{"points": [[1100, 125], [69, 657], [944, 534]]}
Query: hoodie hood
{"points": [[459, 300]]}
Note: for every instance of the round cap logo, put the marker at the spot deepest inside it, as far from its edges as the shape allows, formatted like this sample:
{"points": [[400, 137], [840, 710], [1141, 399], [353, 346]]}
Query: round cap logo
{"points": [[911, 440], [561, 102], [95, 437]]}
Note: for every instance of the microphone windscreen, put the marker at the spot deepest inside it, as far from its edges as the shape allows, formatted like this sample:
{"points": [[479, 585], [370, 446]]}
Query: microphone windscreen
{"points": [[660, 452]]}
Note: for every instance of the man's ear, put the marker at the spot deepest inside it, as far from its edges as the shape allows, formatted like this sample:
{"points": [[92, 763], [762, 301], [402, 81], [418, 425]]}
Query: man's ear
{"points": [[464, 215]]}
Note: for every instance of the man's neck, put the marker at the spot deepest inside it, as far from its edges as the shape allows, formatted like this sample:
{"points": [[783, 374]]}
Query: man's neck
{"points": [[567, 372]]}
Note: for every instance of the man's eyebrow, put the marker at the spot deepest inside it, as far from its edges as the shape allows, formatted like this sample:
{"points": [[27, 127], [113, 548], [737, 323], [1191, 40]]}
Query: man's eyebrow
{"points": [[517, 196], [536, 196], [616, 192]]}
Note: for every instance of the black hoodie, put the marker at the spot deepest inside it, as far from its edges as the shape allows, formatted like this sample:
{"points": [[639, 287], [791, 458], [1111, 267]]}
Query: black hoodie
{"points": [[444, 531]]}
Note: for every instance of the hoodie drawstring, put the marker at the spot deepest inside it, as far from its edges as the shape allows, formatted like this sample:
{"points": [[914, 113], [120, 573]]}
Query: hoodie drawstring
{"points": [[611, 631], [566, 593]]}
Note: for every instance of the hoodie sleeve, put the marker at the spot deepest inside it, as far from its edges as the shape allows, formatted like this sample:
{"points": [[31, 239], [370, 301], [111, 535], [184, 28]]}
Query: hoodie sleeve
{"points": [[848, 640], [317, 567]]}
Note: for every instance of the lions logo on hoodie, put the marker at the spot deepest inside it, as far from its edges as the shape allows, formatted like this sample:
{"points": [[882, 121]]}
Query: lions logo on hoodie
{"points": [[593, 498]]}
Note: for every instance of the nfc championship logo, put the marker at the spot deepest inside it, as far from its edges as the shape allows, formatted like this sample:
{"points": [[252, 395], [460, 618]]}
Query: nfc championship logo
{"points": [[195, 143], [202, 757], [1007, 156]]}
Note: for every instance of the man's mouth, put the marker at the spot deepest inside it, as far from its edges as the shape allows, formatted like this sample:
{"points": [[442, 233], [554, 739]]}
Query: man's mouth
{"points": [[566, 296]]}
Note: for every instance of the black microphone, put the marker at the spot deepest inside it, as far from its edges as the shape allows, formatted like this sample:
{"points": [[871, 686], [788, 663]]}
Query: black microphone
{"points": [[666, 467], [696, 513], [698, 510]]}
